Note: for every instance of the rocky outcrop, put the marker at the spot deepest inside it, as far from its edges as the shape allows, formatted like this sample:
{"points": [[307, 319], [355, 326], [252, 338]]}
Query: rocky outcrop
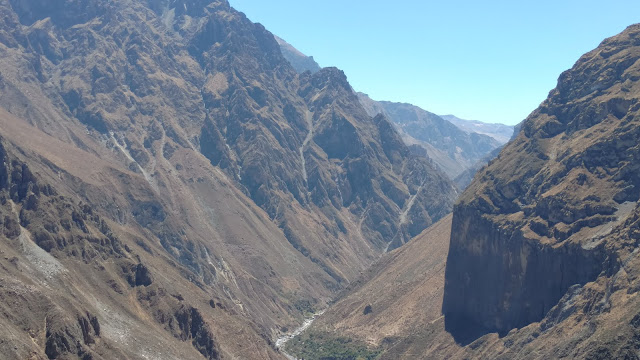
{"points": [[193, 327], [72, 339], [541, 218], [138, 275]]}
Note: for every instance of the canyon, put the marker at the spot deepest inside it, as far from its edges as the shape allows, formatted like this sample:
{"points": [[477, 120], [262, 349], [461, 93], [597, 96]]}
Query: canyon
{"points": [[178, 182]]}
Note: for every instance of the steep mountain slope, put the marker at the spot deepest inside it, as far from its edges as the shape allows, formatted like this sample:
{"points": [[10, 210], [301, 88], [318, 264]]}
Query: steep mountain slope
{"points": [[245, 194], [298, 60], [543, 258], [83, 277], [451, 148], [502, 133]]}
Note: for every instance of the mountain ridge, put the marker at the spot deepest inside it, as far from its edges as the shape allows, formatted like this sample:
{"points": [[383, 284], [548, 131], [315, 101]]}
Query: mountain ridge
{"points": [[501, 132]]}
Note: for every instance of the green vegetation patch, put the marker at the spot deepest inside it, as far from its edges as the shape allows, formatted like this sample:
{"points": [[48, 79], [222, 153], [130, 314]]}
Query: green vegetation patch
{"points": [[306, 307], [314, 345]]}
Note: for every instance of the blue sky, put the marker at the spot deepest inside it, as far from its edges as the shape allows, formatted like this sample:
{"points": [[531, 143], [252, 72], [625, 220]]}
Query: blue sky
{"points": [[493, 61]]}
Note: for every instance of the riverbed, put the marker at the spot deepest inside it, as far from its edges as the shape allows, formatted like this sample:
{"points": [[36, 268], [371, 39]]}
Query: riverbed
{"points": [[282, 341]]}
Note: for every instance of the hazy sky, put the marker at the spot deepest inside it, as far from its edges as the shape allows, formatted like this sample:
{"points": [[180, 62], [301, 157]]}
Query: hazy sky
{"points": [[493, 61]]}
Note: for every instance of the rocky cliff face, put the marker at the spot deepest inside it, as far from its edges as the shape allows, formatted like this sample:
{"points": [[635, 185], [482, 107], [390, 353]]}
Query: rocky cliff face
{"points": [[550, 211], [452, 149], [247, 194]]}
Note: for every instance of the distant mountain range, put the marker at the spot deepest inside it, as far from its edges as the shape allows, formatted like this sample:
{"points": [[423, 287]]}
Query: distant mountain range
{"points": [[501, 132], [452, 149]]}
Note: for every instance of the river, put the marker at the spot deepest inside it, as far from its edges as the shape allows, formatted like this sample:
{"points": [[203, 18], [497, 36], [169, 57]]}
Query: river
{"points": [[282, 341]]}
